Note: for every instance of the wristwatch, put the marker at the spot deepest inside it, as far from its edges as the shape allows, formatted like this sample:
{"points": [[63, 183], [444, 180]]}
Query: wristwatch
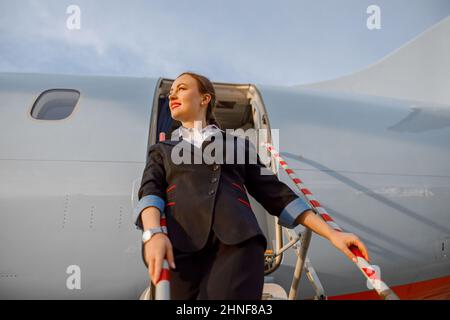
{"points": [[148, 234]]}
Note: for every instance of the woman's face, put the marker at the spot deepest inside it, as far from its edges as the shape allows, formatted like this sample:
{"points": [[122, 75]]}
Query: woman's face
{"points": [[186, 102]]}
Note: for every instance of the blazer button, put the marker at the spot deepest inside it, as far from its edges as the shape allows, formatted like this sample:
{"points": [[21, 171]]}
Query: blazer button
{"points": [[211, 192], [213, 180], [215, 167]]}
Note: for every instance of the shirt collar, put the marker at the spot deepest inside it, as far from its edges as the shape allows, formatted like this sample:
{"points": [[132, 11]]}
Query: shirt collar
{"points": [[193, 134]]}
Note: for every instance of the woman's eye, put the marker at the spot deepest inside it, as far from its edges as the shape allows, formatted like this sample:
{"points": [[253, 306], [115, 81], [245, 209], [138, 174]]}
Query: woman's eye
{"points": [[180, 88]]}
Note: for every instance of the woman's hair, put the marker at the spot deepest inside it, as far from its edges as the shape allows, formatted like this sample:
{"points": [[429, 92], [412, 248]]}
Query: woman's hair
{"points": [[206, 86]]}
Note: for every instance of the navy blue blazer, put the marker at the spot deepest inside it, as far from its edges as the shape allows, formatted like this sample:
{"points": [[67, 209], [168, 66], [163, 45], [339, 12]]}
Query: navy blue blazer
{"points": [[210, 192]]}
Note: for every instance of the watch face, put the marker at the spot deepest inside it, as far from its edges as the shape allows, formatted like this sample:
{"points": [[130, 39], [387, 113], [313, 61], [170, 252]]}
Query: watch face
{"points": [[146, 235]]}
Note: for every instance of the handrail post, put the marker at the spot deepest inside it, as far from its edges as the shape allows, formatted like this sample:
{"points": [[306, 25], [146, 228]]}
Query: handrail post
{"points": [[299, 266]]}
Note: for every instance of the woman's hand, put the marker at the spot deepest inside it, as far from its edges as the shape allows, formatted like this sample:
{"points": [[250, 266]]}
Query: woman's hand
{"points": [[343, 241], [155, 250]]}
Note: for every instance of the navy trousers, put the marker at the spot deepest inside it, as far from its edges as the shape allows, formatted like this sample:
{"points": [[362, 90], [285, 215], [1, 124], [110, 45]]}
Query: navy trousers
{"points": [[219, 271]]}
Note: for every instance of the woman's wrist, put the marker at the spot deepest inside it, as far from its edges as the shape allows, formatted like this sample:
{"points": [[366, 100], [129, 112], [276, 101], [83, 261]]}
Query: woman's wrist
{"points": [[150, 218], [330, 234], [157, 236]]}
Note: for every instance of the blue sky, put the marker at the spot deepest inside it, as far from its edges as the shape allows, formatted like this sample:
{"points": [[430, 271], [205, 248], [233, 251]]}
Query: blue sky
{"points": [[265, 42]]}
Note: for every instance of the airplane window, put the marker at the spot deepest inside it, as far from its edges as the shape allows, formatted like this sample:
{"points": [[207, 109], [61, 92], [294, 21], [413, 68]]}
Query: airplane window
{"points": [[55, 104]]}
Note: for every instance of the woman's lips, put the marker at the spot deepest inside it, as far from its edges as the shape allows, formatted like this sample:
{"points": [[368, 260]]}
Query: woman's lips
{"points": [[175, 105]]}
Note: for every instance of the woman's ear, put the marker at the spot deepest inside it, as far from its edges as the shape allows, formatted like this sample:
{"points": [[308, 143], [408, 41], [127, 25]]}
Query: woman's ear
{"points": [[206, 99]]}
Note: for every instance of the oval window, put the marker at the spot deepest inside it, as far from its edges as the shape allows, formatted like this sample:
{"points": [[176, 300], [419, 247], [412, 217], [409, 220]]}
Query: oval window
{"points": [[55, 104]]}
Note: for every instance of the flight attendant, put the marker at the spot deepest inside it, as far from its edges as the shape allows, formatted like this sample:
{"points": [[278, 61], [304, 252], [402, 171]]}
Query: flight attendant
{"points": [[214, 245]]}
